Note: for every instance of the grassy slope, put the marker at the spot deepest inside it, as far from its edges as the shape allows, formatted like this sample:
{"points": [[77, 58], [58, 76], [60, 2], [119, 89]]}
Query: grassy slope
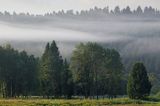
{"points": [[106, 102]]}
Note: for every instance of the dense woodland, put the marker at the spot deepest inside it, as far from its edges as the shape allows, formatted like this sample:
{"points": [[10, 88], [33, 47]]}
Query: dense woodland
{"points": [[92, 72]]}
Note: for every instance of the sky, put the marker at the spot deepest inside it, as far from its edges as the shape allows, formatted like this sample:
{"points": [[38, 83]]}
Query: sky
{"points": [[44, 6]]}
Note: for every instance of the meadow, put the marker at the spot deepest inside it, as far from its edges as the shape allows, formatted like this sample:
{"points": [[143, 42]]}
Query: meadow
{"points": [[77, 102]]}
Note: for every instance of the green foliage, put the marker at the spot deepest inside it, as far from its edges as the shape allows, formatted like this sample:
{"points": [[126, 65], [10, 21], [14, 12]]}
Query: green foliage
{"points": [[155, 82], [67, 81], [50, 71], [18, 72], [138, 84], [96, 70], [92, 71]]}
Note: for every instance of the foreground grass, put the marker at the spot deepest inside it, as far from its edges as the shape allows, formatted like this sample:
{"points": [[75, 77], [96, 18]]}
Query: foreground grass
{"points": [[76, 102]]}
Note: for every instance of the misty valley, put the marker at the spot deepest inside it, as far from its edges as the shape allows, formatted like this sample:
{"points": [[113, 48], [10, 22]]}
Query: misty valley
{"points": [[127, 39], [135, 36]]}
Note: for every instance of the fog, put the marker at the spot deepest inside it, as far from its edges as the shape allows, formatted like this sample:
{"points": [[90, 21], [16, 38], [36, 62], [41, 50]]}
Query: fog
{"points": [[136, 36]]}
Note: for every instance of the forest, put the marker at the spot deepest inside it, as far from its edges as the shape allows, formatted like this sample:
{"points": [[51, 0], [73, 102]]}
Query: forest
{"points": [[94, 13], [99, 57], [92, 72]]}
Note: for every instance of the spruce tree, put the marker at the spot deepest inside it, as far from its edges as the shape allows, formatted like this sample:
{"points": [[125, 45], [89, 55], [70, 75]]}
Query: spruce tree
{"points": [[56, 68], [51, 70], [138, 84]]}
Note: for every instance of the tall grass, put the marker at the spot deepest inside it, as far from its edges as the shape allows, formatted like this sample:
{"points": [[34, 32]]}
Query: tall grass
{"points": [[77, 102]]}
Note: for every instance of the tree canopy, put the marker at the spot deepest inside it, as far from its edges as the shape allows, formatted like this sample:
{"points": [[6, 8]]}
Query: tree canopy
{"points": [[93, 71], [96, 70]]}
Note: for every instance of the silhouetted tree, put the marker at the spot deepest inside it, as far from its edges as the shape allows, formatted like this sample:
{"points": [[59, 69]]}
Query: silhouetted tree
{"points": [[117, 10]]}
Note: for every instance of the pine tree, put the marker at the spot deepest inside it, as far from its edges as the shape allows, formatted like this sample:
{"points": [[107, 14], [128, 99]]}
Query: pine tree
{"points": [[56, 69], [138, 84], [51, 69]]}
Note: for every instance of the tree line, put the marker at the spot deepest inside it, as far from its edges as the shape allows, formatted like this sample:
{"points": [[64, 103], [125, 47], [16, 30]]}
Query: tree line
{"points": [[93, 12], [92, 72]]}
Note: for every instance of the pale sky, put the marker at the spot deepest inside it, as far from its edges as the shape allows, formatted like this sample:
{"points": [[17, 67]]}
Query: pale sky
{"points": [[43, 6]]}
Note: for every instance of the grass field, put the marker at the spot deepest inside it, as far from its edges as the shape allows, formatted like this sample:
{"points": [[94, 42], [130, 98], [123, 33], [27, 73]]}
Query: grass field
{"points": [[76, 102]]}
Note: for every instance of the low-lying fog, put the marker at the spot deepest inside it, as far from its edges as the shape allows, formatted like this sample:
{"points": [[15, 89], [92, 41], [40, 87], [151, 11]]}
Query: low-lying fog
{"points": [[132, 37]]}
